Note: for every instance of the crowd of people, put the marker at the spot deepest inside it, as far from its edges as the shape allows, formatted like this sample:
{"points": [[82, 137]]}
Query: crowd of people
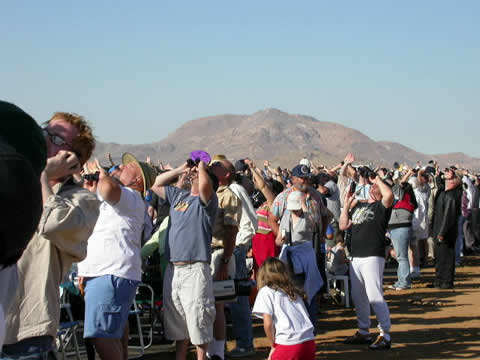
{"points": [[280, 231]]}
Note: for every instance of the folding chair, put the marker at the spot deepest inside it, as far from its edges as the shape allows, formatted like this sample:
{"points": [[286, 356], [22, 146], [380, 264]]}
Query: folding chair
{"points": [[66, 333], [345, 292], [145, 301], [141, 347]]}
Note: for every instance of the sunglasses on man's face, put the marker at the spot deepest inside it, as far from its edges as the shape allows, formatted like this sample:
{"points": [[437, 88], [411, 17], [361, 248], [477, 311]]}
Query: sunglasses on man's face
{"points": [[218, 164], [56, 139]]}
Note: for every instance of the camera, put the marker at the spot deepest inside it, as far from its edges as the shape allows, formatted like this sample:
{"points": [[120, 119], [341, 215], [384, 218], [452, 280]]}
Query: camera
{"points": [[366, 172], [192, 163], [257, 198], [92, 177]]}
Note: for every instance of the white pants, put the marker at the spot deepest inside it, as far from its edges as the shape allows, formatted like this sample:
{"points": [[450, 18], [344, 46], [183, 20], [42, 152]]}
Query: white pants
{"points": [[366, 276]]}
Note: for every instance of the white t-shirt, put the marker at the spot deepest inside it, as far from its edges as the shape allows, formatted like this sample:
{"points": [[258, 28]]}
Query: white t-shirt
{"points": [[114, 246], [290, 318]]}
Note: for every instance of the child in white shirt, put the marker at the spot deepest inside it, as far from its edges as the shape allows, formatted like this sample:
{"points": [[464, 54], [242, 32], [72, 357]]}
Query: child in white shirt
{"points": [[285, 318]]}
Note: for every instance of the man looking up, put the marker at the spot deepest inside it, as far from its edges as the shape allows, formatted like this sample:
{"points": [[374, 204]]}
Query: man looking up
{"points": [[68, 218], [301, 182], [187, 285], [447, 209], [369, 221], [223, 243], [240, 310], [112, 268]]}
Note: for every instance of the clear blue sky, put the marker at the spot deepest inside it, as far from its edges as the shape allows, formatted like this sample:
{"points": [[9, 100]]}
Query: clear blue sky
{"points": [[406, 71]]}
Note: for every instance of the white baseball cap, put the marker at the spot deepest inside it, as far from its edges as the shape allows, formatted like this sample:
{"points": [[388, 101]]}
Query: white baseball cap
{"points": [[294, 200]]}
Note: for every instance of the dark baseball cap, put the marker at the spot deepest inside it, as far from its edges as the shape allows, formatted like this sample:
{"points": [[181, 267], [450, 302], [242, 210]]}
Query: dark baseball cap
{"points": [[301, 171]]}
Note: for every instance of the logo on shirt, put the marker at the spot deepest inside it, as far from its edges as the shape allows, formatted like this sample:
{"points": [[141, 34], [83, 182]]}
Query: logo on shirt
{"points": [[182, 206], [362, 215]]}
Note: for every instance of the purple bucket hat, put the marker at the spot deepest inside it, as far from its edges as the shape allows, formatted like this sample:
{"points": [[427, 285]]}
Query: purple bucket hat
{"points": [[200, 155]]}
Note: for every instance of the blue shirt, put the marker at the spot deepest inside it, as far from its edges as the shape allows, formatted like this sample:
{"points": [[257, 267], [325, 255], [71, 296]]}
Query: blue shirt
{"points": [[191, 225]]}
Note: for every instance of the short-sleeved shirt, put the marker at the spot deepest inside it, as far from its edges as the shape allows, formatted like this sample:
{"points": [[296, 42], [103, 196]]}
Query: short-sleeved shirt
{"points": [[290, 318], [229, 213], [369, 225], [333, 199], [191, 224], [314, 204], [302, 231], [114, 246]]}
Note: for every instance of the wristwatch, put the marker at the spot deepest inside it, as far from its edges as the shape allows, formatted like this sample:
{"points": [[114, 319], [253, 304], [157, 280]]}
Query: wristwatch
{"points": [[225, 260]]}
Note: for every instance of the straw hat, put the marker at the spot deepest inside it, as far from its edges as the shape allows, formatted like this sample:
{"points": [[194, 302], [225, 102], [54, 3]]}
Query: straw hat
{"points": [[148, 172]]}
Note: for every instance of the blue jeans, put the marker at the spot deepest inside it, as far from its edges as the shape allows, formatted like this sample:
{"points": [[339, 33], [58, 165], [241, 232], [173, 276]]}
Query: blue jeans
{"points": [[240, 310], [401, 237], [460, 240], [36, 348]]}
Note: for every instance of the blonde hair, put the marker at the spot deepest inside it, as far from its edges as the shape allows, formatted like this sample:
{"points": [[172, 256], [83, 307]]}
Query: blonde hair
{"points": [[275, 274], [84, 142]]}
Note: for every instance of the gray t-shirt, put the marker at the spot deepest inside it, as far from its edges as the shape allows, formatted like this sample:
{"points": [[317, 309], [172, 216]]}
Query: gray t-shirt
{"points": [[302, 231], [333, 200], [191, 225]]}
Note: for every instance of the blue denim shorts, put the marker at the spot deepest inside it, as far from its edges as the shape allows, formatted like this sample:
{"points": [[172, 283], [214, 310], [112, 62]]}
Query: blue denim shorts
{"points": [[108, 300]]}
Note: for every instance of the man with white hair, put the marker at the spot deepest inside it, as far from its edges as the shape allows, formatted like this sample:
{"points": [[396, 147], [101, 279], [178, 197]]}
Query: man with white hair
{"points": [[112, 269]]}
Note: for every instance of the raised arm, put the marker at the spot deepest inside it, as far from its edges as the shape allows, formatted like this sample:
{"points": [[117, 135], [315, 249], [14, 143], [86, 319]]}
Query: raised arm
{"points": [[387, 194], [205, 187], [260, 182], [108, 187], [344, 222], [166, 178]]}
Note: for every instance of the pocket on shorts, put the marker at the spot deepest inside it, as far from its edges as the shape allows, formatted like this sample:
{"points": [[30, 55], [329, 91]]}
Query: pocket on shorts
{"points": [[206, 314], [109, 318]]}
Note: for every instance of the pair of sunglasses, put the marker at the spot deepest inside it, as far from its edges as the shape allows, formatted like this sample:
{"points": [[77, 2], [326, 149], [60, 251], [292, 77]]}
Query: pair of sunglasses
{"points": [[58, 140]]}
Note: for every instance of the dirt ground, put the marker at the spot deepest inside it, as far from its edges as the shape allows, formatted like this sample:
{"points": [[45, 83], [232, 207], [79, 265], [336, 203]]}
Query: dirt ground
{"points": [[426, 323]]}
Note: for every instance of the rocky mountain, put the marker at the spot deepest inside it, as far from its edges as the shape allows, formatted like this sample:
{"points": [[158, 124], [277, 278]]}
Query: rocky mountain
{"points": [[280, 137]]}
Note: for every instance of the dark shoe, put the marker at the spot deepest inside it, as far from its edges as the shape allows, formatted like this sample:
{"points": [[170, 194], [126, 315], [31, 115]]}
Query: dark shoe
{"points": [[434, 285], [358, 339], [239, 352], [445, 286], [380, 344], [214, 357]]}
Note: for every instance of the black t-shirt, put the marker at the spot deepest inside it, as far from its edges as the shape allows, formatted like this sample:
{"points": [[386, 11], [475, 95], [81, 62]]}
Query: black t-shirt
{"points": [[369, 225]]}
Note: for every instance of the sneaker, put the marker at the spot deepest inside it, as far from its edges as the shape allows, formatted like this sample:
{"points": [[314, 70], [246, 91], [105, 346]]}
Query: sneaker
{"points": [[239, 352], [380, 344], [358, 339], [214, 357], [415, 274], [399, 288]]}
